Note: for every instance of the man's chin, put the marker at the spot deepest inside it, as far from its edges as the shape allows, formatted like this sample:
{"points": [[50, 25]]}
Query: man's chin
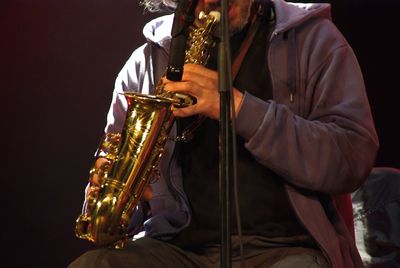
{"points": [[233, 29]]}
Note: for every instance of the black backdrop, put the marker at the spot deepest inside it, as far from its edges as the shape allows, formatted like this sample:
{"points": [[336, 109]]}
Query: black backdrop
{"points": [[59, 59]]}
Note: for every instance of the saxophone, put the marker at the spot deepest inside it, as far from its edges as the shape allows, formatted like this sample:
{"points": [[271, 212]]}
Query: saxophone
{"points": [[133, 155]]}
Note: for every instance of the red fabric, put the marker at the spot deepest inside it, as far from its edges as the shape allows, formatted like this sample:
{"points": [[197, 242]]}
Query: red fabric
{"points": [[344, 206]]}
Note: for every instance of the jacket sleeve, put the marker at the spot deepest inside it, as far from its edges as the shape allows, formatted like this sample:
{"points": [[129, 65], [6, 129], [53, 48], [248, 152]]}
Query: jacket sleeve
{"points": [[332, 148], [132, 77]]}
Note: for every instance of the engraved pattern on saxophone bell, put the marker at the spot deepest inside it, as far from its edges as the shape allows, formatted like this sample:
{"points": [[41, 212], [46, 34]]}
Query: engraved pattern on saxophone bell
{"points": [[134, 154]]}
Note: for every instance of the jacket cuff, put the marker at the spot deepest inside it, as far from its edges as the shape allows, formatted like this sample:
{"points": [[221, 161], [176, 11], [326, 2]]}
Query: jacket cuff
{"points": [[250, 116]]}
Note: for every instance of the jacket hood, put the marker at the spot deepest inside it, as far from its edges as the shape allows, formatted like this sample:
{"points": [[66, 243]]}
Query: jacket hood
{"points": [[288, 15], [158, 30]]}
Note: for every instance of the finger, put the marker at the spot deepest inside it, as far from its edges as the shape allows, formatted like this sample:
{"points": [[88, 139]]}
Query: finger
{"points": [[99, 167], [188, 76], [183, 87], [95, 180], [91, 191], [196, 68], [198, 74], [186, 111], [147, 193]]}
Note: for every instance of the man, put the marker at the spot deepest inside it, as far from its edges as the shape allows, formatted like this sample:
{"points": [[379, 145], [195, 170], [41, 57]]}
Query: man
{"points": [[305, 136]]}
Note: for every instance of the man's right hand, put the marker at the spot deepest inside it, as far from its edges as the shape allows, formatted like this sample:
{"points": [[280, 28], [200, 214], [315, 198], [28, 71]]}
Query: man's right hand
{"points": [[94, 184]]}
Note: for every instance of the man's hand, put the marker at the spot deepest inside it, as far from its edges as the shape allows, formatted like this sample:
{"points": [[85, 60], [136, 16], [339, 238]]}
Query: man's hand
{"points": [[95, 177], [202, 84], [95, 182]]}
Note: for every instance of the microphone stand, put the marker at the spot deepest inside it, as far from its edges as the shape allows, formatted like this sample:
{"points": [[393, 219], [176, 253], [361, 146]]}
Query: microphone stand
{"points": [[225, 164]]}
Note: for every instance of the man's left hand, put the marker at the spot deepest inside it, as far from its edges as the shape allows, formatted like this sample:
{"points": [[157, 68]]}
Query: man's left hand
{"points": [[201, 83]]}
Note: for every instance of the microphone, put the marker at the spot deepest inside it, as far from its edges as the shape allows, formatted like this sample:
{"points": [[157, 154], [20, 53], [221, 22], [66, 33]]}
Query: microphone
{"points": [[184, 17]]}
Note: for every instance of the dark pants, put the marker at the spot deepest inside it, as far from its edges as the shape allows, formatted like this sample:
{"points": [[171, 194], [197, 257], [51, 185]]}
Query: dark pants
{"points": [[147, 252]]}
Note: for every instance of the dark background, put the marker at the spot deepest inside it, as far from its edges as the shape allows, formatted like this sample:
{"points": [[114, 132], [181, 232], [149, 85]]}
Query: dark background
{"points": [[59, 59]]}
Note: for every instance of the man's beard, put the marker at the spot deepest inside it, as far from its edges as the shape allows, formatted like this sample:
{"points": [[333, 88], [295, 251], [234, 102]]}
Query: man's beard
{"points": [[241, 19]]}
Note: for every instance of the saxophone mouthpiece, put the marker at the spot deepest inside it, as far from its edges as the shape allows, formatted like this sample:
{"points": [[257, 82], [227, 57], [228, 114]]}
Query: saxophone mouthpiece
{"points": [[216, 15]]}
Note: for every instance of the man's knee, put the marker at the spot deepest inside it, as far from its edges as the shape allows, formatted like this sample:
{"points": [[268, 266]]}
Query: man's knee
{"points": [[131, 256], [301, 260], [89, 259], [105, 258]]}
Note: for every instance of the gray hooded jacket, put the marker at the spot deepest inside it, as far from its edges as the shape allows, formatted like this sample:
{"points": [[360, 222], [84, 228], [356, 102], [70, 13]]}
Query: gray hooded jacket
{"points": [[322, 142]]}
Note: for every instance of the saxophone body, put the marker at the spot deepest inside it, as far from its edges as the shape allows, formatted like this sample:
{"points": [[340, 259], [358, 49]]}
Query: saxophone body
{"points": [[133, 155]]}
